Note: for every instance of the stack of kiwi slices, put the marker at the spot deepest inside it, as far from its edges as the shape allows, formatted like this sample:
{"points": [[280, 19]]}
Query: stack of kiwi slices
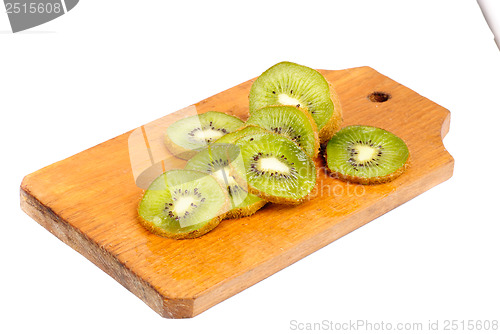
{"points": [[222, 161], [291, 84], [234, 168]]}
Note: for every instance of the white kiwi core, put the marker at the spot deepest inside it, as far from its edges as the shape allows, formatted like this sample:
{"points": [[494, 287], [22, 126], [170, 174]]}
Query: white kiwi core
{"points": [[273, 165], [287, 100], [183, 204], [208, 134], [365, 153], [223, 176]]}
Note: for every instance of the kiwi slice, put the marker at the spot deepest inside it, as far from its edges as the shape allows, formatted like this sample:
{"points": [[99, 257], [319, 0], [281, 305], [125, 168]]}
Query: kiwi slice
{"points": [[277, 169], [366, 155], [220, 160], [191, 134], [182, 204], [248, 129], [288, 83], [289, 121]]}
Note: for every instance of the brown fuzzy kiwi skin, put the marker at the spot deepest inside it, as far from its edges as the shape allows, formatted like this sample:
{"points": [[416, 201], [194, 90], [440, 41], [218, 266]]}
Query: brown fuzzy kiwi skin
{"points": [[277, 199], [223, 212], [245, 212], [335, 122], [178, 236], [241, 128], [311, 120], [366, 180], [245, 126], [178, 151]]}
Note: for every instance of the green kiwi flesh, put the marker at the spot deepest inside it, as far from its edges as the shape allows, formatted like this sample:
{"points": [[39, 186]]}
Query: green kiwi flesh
{"points": [[289, 121], [221, 161], [277, 169], [191, 134], [248, 129], [366, 154], [288, 83], [182, 204]]}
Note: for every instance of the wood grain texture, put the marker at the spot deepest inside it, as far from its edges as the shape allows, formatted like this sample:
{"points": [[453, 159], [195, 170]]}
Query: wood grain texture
{"points": [[89, 201]]}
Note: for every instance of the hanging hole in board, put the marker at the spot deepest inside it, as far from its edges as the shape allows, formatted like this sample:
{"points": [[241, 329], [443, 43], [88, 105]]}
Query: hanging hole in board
{"points": [[379, 97]]}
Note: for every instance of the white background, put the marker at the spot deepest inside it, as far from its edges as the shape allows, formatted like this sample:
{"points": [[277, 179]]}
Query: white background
{"points": [[491, 12], [110, 66]]}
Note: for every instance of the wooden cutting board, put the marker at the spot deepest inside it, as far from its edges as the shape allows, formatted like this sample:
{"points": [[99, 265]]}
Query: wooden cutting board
{"points": [[89, 200]]}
